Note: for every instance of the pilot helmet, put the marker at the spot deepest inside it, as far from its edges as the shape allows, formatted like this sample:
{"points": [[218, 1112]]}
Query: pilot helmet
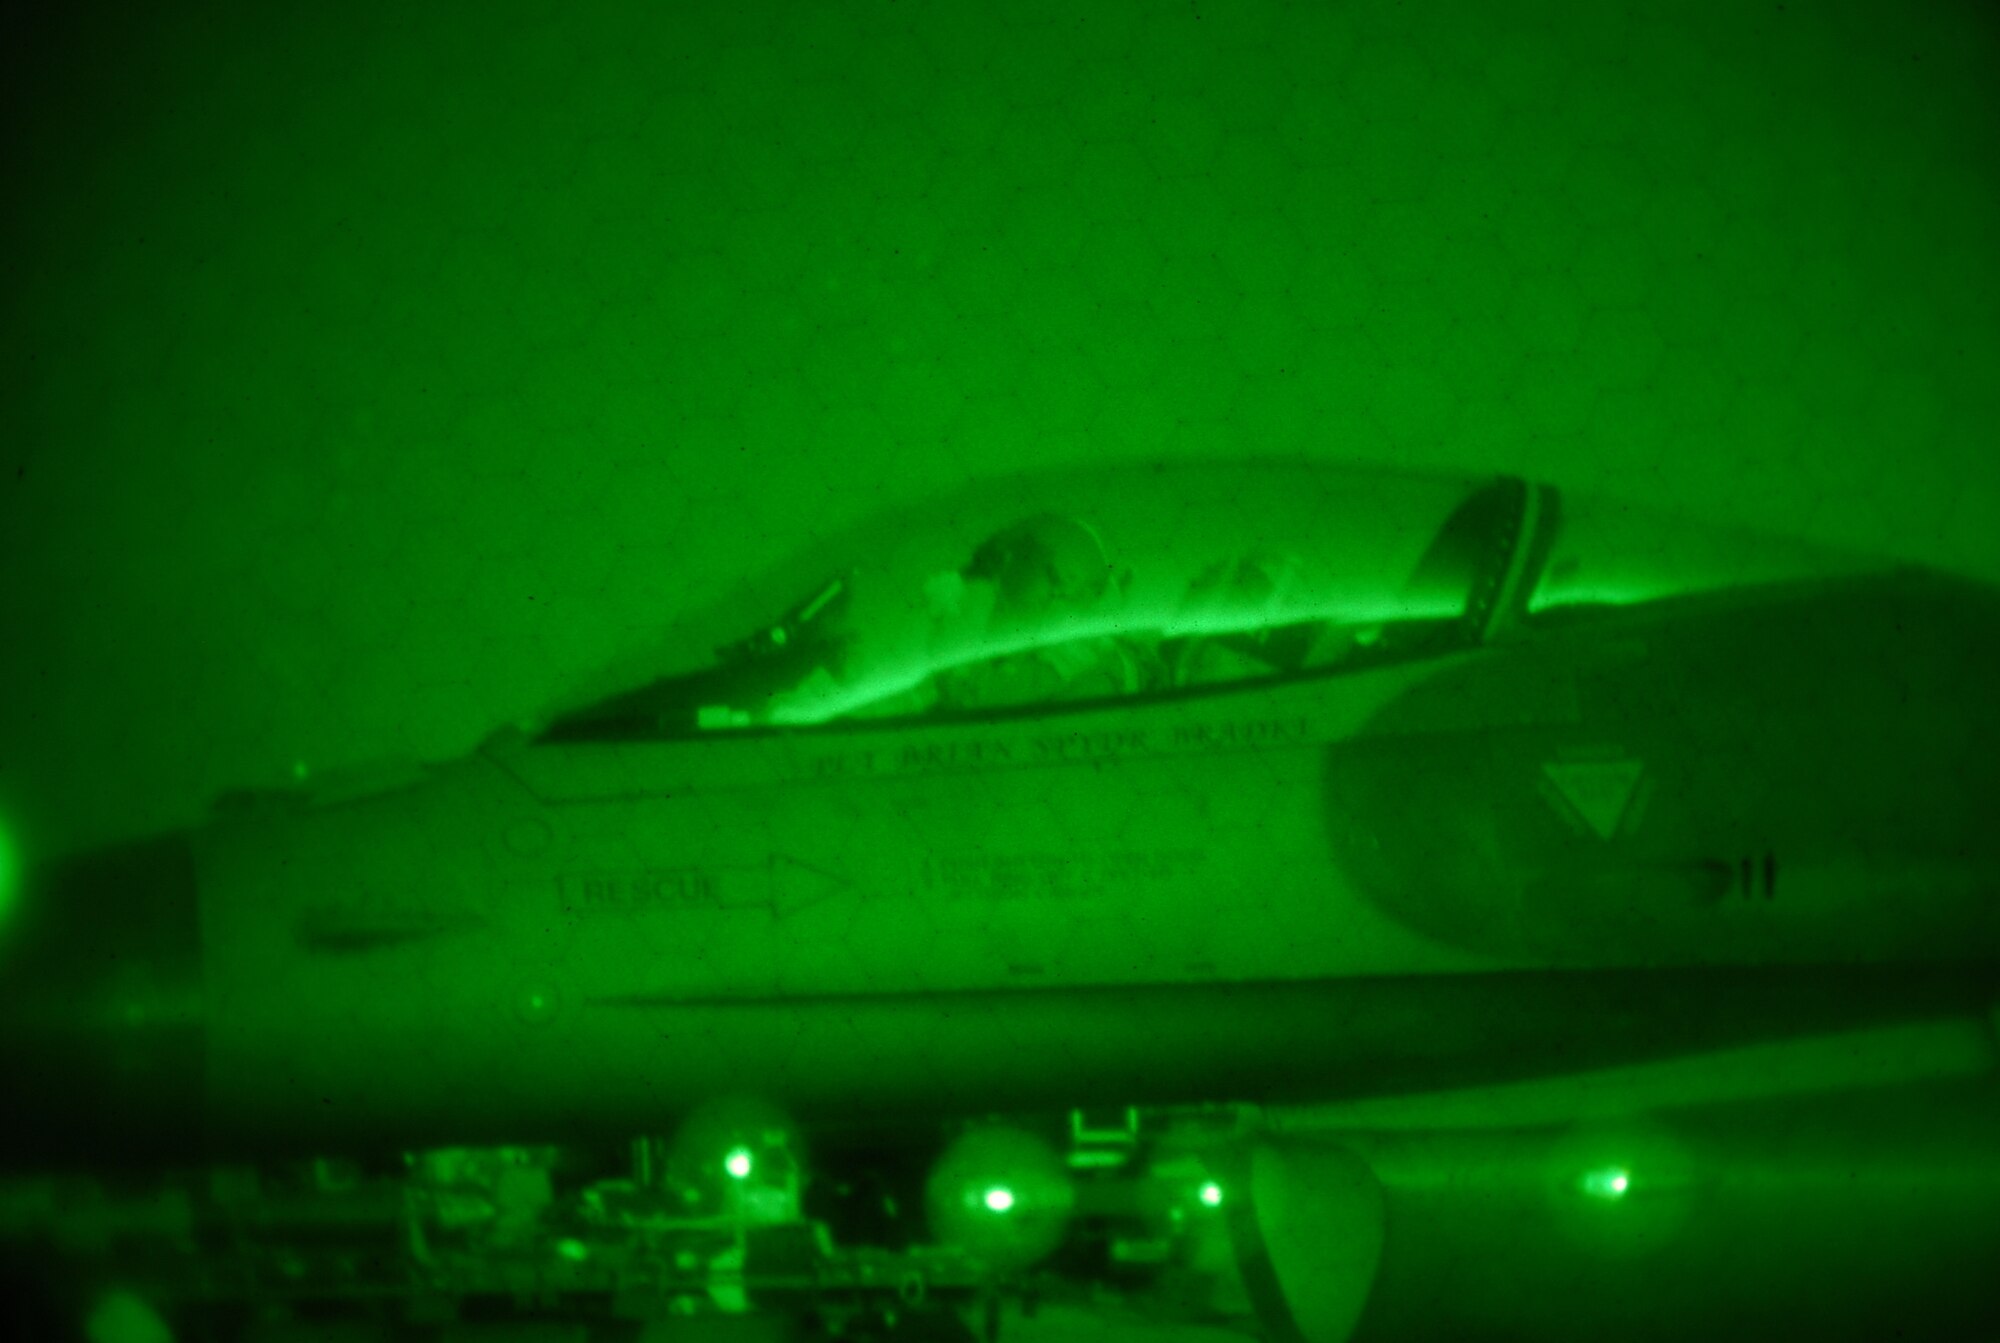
{"points": [[1043, 562]]}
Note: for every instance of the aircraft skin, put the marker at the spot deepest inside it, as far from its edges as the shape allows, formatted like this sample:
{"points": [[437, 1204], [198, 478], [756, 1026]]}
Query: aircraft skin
{"points": [[1723, 820], [794, 915]]}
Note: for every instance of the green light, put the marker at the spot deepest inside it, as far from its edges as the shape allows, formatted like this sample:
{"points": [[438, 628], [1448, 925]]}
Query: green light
{"points": [[1211, 1194], [8, 875], [738, 1163], [1607, 1182], [573, 1250], [121, 1317], [999, 1199]]}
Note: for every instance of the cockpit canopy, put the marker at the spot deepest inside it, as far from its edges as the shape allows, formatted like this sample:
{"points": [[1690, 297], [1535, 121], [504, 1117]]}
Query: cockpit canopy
{"points": [[1138, 581]]}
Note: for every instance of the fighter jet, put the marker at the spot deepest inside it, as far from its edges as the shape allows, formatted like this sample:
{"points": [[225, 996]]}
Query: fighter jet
{"points": [[1312, 901]]}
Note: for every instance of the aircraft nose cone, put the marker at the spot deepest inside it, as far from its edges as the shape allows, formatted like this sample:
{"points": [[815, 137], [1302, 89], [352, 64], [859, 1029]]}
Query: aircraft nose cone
{"points": [[101, 1020]]}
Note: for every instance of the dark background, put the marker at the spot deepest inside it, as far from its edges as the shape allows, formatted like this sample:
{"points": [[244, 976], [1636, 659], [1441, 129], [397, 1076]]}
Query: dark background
{"points": [[373, 371]]}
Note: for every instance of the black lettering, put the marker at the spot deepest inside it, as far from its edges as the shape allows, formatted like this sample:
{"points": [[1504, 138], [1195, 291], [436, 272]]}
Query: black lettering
{"points": [[1089, 745], [949, 754], [1193, 734], [630, 891], [1259, 732]]}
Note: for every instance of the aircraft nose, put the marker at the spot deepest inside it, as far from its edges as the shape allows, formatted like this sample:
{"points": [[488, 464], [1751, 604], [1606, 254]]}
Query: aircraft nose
{"points": [[101, 1012]]}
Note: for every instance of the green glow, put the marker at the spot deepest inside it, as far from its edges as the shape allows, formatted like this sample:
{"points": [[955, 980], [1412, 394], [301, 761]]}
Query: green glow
{"points": [[1591, 594], [1607, 1182], [1211, 1194], [8, 875], [999, 1198], [895, 668], [573, 1250], [121, 1317], [738, 1163], [536, 1005]]}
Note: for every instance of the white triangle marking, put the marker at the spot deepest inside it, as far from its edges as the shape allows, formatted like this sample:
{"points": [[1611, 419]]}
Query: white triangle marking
{"points": [[1598, 789]]}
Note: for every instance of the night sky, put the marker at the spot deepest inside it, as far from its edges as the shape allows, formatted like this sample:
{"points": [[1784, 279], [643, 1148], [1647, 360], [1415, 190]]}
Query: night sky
{"points": [[375, 371]]}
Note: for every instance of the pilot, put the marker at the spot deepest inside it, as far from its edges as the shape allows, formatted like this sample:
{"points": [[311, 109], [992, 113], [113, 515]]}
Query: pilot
{"points": [[1251, 608], [1023, 585], [1046, 563]]}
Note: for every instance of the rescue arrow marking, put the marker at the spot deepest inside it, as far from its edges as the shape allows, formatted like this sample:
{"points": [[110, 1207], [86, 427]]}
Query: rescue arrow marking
{"points": [[1598, 790]]}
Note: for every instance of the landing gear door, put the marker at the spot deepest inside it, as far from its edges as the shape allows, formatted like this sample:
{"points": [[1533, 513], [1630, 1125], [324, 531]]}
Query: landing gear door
{"points": [[1309, 1238]]}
